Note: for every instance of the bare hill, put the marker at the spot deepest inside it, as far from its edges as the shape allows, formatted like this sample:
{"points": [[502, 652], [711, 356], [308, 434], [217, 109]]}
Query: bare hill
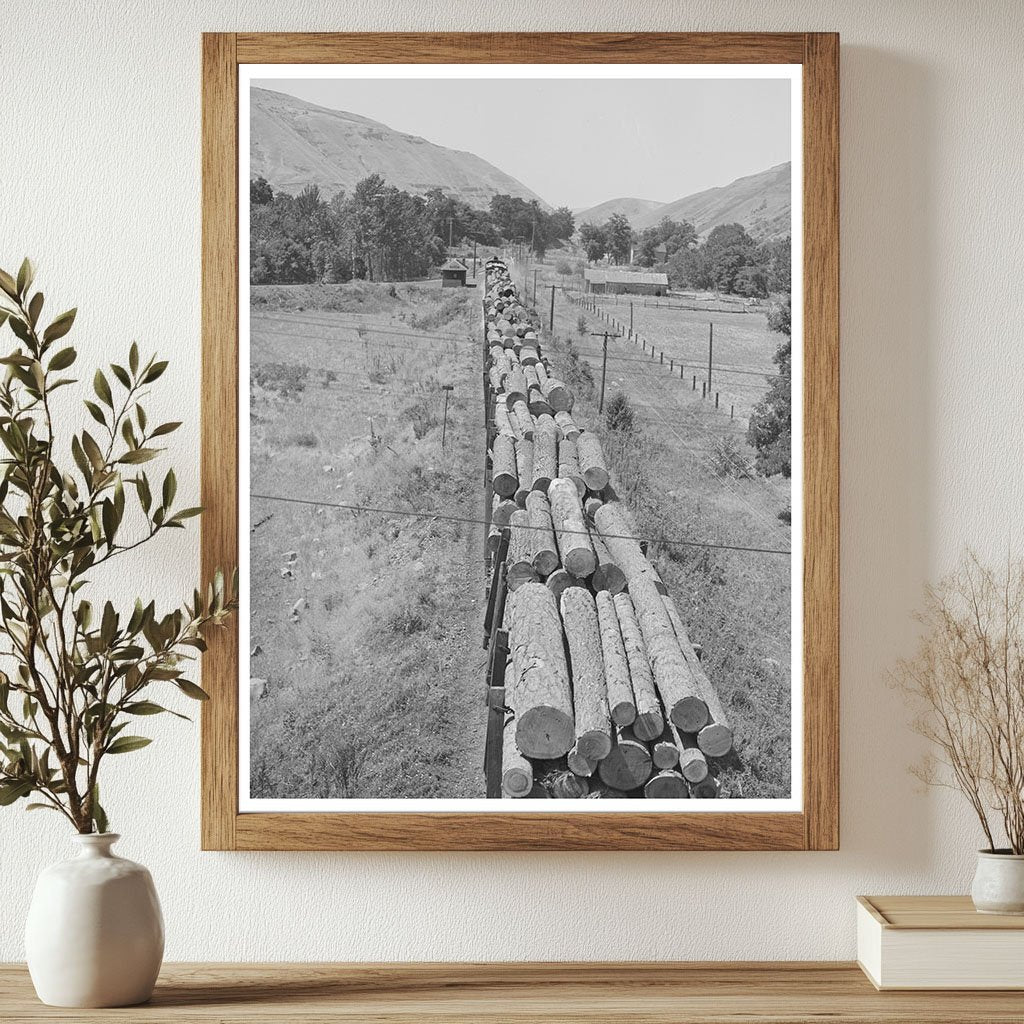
{"points": [[295, 143], [760, 202], [632, 209]]}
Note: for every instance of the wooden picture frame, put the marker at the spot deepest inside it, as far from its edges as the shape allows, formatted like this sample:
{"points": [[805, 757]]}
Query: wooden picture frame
{"points": [[816, 827]]}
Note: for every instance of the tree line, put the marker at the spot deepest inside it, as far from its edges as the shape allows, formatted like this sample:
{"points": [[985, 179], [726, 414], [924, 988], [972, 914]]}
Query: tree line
{"points": [[378, 232], [728, 260]]}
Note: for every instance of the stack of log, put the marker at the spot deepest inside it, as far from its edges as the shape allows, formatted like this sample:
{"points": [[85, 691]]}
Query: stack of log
{"points": [[607, 692]]}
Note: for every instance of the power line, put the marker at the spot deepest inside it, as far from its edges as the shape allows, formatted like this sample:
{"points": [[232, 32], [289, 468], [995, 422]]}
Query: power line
{"points": [[448, 517], [361, 325]]}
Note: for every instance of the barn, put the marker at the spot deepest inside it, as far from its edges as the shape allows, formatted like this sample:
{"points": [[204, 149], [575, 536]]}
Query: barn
{"points": [[625, 282], [453, 274]]}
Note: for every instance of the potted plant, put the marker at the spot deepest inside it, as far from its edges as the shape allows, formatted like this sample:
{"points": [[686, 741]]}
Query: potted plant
{"points": [[80, 671], [967, 682]]}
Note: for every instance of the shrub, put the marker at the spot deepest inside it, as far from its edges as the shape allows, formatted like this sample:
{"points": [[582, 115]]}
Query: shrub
{"points": [[581, 325], [578, 372], [286, 379], [620, 414], [423, 415]]}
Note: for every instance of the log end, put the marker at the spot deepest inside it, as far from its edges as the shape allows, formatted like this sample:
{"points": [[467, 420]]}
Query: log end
{"points": [[624, 713], [649, 726], [517, 783], [715, 740], [689, 714], [594, 745], [666, 785], [706, 790], [581, 562], [544, 732]]}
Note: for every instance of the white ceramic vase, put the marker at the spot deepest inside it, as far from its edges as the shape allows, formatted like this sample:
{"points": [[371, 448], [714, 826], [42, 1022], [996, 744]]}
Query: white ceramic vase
{"points": [[95, 934], [999, 883]]}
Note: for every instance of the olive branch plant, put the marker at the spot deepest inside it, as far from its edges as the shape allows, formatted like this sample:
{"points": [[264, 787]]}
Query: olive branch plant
{"points": [[73, 676]]}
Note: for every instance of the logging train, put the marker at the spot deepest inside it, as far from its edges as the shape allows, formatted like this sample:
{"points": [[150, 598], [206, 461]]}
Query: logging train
{"points": [[594, 687]]}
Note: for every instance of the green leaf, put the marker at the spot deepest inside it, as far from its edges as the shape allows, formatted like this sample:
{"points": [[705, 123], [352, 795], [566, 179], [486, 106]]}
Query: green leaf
{"points": [[63, 359], [154, 372], [185, 513], [165, 428], [95, 412], [121, 374], [99, 816], [11, 791], [20, 328], [102, 388], [139, 455], [7, 284], [109, 522], [92, 449], [170, 488], [41, 807], [60, 326], [133, 358], [145, 497], [26, 274], [191, 690], [108, 625], [128, 433], [35, 307], [126, 744]]}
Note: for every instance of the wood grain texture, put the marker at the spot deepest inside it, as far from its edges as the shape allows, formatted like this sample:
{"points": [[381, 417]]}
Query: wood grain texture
{"points": [[817, 827], [521, 48], [821, 441], [219, 429], [523, 993], [944, 913]]}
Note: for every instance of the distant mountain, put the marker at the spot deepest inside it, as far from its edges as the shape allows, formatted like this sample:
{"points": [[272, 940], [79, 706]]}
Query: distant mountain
{"points": [[760, 202], [295, 143], [632, 209]]}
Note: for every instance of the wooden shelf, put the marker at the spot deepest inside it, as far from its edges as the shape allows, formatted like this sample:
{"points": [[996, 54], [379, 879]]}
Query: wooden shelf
{"points": [[783, 993]]}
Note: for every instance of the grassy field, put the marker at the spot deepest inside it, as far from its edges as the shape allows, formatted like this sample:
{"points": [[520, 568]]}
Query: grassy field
{"points": [[682, 468], [366, 626]]}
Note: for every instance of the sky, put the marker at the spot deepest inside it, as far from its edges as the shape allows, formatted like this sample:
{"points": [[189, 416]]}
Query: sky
{"points": [[579, 142]]}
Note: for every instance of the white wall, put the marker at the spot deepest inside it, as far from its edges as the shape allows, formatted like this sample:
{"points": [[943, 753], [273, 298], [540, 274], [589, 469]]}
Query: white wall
{"points": [[99, 165]]}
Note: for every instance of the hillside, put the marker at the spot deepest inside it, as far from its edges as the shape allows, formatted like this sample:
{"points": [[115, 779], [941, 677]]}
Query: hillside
{"points": [[295, 143], [632, 209], [760, 202]]}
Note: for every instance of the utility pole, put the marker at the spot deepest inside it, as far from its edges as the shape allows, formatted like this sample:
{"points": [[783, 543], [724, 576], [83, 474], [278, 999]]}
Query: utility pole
{"points": [[604, 364], [551, 318], [711, 349], [447, 389], [631, 317], [535, 286], [474, 259], [449, 233]]}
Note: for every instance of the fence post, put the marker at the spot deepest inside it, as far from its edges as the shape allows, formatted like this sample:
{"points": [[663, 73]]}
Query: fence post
{"points": [[551, 319], [711, 348], [604, 371]]}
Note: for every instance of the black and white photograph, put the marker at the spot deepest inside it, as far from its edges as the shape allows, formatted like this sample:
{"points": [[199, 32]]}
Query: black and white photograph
{"points": [[521, 511]]}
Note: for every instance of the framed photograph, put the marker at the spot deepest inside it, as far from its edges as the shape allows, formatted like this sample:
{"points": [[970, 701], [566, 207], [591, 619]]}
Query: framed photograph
{"points": [[521, 421]]}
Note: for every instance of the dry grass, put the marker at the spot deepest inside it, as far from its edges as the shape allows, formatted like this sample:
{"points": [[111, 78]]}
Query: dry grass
{"points": [[369, 634]]}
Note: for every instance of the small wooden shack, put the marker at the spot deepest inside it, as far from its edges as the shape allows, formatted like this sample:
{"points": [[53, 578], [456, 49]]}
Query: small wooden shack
{"points": [[453, 274], [625, 282]]}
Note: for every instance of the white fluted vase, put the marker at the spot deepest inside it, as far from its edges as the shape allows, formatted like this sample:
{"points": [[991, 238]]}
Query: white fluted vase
{"points": [[95, 933], [998, 886]]}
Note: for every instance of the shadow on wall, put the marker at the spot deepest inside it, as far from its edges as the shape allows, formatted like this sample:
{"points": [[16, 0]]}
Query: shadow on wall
{"points": [[887, 301]]}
